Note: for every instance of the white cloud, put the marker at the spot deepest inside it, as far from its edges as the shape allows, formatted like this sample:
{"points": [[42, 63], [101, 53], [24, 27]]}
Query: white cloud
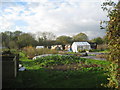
{"points": [[67, 17], [4, 24]]}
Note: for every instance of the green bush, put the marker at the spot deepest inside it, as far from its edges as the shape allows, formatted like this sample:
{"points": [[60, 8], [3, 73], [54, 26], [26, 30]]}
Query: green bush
{"points": [[32, 51], [66, 59], [29, 51], [45, 51], [96, 50], [81, 50], [10, 51], [58, 60]]}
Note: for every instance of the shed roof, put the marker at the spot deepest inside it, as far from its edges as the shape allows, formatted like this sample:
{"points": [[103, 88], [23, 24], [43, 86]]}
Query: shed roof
{"points": [[81, 43]]}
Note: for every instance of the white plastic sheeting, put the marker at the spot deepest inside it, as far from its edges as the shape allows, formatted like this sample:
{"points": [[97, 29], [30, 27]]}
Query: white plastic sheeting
{"points": [[80, 46], [44, 55], [37, 47], [22, 69], [41, 56]]}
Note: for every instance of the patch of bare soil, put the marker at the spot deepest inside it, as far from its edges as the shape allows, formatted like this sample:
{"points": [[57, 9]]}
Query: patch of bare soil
{"points": [[73, 66]]}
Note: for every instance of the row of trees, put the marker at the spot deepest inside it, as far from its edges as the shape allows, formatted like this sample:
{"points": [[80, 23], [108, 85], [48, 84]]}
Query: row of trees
{"points": [[19, 39]]}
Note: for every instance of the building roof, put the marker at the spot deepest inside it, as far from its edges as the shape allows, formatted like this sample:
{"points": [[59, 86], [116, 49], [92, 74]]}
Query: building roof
{"points": [[81, 43]]}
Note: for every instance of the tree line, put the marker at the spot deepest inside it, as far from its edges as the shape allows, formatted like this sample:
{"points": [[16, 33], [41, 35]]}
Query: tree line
{"points": [[19, 39]]}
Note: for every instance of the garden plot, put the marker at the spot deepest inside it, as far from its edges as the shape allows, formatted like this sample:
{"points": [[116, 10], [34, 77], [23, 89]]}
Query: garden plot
{"points": [[70, 71], [67, 62]]}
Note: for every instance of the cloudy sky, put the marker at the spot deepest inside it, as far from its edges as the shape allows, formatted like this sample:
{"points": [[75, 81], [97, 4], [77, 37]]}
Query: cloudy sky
{"points": [[62, 17]]}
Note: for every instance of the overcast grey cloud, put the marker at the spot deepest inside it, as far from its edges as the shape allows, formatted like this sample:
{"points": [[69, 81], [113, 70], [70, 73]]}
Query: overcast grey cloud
{"points": [[62, 17]]}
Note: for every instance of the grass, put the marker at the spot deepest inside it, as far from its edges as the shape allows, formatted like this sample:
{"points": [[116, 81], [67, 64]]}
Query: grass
{"points": [[38, 76], [104, 51], [99, 50], [44, 78], [99, 62]]}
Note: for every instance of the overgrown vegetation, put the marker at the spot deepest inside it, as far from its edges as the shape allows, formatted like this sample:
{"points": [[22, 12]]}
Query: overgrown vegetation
{"points": [[32, 51], [113, 36], [17, 39], [70, 71]]}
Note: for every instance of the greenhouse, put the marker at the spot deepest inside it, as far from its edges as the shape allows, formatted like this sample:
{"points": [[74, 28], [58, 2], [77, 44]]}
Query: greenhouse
{"points": [[76, 46]]}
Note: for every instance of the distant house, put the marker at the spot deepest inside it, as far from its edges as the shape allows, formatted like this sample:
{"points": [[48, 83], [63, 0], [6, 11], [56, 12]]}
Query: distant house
{"points": [[76, 46], [57, 47], [37, 47], [68, 47]]}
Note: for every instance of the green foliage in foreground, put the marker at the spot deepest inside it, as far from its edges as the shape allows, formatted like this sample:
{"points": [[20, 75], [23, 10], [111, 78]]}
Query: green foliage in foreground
{"points": [[62, 60], [45, 78], [40, 76], [113, 36], [59, 60], [99, 50]]}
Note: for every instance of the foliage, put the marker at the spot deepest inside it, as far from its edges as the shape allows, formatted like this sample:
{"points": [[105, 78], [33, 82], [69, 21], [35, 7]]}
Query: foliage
{"points": [[96, 50], [46, 51], [100, 51], [46, 36], [64, 40], [57, 60], [80, 37], [79, 50], [113, 33], [6, 38], [105, 40], [32, 51], [98, 40], [89, 75], [13, 45], [102, 46], [17, 39], [102, 56], [26, 40], [29, 51], [105, 51], [65, 60], [45, 78], [10, 51], [67, 53]]}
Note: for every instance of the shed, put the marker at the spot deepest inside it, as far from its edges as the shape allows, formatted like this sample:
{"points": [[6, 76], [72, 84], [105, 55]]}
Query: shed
{"points": [[80, 46], [37, 47]]}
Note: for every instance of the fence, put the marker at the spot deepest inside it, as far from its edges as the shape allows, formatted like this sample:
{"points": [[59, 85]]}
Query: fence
{"points": [[10, 65]]}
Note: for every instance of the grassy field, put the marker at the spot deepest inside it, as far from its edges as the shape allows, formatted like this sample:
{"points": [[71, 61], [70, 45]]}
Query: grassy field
{"points": [[60, 72]]}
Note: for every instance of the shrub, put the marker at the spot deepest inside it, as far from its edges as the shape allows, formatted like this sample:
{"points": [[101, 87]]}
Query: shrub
{"points": [[9, 51], [102, 56], [58, 60], [102, 47], [32, 51], [29, 51], [82, 50], [45, 51]]}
